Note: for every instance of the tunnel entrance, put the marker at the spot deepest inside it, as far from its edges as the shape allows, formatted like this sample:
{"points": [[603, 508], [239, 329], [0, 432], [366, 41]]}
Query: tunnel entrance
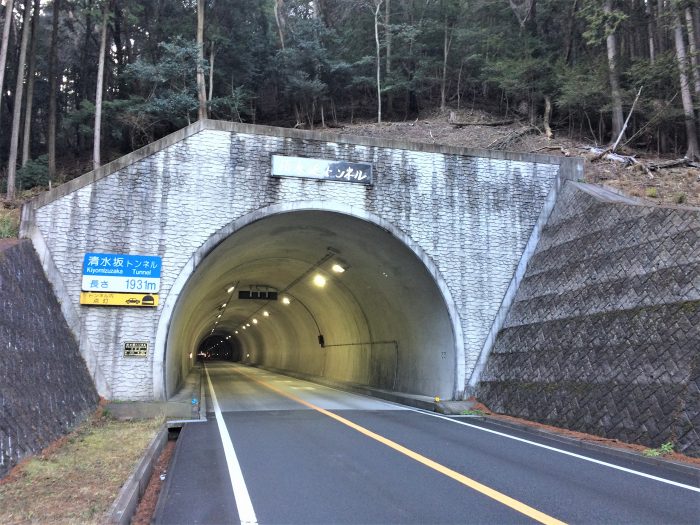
{"points": [[320, 294]]}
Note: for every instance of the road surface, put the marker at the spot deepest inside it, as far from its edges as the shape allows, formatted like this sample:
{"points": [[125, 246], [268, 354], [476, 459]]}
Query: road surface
{"points": [[282, 450]]}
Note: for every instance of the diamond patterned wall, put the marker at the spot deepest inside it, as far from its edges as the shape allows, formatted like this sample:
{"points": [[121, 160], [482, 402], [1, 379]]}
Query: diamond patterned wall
{"points": [[604, 334]]}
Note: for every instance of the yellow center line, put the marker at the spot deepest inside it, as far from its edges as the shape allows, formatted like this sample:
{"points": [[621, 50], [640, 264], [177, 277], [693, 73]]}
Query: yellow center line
{"points": [[461, 478]]}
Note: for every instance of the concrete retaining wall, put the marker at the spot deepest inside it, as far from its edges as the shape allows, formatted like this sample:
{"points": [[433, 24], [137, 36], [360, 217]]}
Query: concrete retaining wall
{"points": [[604, 333], [45, 388]]}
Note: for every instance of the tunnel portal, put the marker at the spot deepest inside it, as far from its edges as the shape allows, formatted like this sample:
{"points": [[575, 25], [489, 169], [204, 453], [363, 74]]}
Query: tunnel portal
{"points": [[321, 295], [432, 239]]}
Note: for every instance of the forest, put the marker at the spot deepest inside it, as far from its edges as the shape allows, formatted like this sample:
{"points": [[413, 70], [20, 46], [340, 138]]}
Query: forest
{"points": [[86, 81]]}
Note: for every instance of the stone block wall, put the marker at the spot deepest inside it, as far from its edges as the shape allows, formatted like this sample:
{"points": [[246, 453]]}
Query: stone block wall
{"points": [[604, 333], [45, 388]]}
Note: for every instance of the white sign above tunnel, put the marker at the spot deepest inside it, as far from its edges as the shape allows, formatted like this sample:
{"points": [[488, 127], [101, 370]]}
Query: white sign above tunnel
{"points": [[113, 272], [322, 169]]}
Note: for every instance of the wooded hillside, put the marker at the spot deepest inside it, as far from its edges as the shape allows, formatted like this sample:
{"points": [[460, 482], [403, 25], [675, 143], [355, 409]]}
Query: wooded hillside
{"points": [[94, 79]]}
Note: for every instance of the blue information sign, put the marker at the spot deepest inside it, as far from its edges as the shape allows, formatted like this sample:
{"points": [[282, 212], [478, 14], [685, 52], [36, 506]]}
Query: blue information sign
{"points": [[117, 265]]}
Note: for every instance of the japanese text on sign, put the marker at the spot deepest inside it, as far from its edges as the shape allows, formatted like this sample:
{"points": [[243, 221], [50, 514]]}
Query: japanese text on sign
{"points": [[357, 172]]}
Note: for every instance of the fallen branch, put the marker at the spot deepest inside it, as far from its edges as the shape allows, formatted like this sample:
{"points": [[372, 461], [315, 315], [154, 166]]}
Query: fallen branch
{"points": [[670, 164], [496, 123], [624, 127]]}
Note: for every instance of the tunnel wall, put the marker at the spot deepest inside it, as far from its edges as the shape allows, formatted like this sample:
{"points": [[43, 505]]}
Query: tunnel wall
{"points": [[473, 214], [45, 387], [604, 333]]}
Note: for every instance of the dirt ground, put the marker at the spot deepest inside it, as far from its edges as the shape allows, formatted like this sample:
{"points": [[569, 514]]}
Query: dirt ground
{"points": [[670, 186]]}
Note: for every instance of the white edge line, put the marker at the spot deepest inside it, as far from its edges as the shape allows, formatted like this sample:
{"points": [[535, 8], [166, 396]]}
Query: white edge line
{"points": [[560, 451], [246, 513]]}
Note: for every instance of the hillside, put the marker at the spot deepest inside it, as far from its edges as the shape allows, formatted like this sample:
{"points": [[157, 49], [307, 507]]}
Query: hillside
{"points": [[678, 185]]}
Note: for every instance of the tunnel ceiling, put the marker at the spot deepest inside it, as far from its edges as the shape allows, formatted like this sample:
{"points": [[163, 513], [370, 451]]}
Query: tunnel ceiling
{"points": [[383, 320]]}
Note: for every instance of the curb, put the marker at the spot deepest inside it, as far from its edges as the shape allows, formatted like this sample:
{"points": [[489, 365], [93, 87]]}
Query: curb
{"points": [[674, 466], [124, 506]]}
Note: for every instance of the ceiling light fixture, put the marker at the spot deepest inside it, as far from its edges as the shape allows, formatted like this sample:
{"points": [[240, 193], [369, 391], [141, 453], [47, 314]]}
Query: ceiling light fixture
{"points": [[286, 300], [337, 268], [319, 280], [266, 313], [230, 289], [255, 321]]}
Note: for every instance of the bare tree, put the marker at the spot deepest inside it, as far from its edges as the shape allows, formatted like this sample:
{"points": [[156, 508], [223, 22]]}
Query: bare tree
{"points": [[53, 60], [686, 97], [615, 94], [26, 140], [96, 161], [5, 41], [17, 110], [377, 6], [201, 88]]}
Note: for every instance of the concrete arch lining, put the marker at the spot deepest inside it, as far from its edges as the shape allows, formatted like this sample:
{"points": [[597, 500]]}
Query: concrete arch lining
{"points": [[162, 386]]}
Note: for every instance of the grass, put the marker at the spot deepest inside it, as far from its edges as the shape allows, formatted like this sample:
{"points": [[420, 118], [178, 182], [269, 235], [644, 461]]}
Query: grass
{"points": [[473, 412], [77, 479], [9, 223]]}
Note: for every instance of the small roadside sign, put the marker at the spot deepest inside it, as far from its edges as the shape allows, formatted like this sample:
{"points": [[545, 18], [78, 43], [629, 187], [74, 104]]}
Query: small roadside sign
{"points": [[136, 349], [118, 299]]}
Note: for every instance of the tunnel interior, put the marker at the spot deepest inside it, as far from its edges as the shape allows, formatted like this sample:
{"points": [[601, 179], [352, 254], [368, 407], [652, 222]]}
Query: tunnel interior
{"points": [[318, 294]]}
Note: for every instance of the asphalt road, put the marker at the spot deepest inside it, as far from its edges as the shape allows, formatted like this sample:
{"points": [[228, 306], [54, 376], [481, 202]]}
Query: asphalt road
{"points": [[281, 450]]}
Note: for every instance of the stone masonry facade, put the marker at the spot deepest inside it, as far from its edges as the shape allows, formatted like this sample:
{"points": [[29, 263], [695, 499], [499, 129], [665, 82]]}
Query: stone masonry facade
{"points": [[472, 213], [45, 387], [604, 334]]}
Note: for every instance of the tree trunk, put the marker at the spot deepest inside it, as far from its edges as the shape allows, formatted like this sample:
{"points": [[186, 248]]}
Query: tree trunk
{"points": [[447, 42], [211, 72], [616, 97], [53, 73], [686, 97], [387, 67], [692, 48], [26, 140], [201, 88], [547, 115], [17, 110], [279, 4], [5, 41], [378, 4], [96, 161], [651, 32]]}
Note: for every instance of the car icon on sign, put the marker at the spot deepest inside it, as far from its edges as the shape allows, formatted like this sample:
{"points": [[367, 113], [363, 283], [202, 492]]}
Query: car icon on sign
{"points": [[133, 301]]}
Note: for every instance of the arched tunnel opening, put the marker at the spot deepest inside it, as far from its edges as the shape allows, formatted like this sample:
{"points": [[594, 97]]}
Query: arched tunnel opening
{"points": [[219, 346], [322, 295]]}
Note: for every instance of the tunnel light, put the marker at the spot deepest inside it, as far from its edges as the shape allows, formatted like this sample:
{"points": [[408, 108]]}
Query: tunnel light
{"points": [[319, 280], [247, 355], [255, 321], [218, 316], [223, 305], [286, 300], [230, 289], [244, 328], [248, 325], [337, 268], [235, 332], [266, 313], [190, 355]]}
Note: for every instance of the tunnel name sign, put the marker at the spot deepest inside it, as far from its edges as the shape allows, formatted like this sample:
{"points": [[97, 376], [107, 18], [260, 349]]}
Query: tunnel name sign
{"points": [[322, 169], [112, 272]]}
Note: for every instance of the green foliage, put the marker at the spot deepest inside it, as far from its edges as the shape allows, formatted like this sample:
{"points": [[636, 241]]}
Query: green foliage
{"points": [[34, 173], [473, 412], [9, 225], [663, 450], [652, 193]]}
